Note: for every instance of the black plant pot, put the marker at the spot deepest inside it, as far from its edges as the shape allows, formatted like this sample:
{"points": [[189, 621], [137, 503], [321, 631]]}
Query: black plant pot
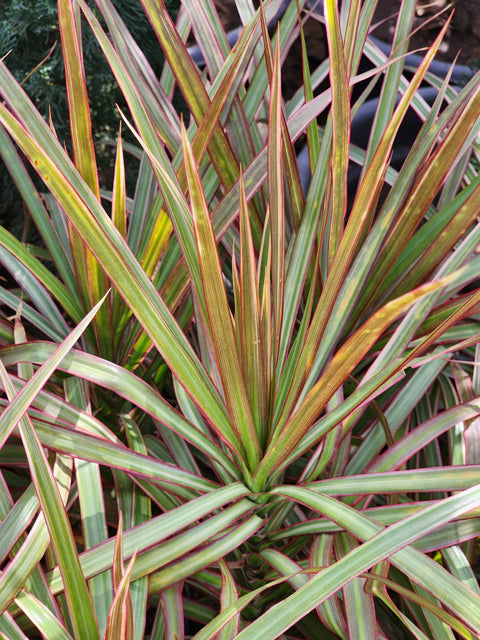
{"points": [[360, 133]]}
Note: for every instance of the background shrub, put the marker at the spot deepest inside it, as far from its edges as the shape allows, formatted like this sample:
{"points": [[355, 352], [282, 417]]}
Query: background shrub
{"points": [[28, 31]]}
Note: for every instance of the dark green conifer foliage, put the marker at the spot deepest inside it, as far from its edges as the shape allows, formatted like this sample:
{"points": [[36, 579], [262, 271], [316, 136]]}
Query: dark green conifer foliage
{"points": [[28, 31]]}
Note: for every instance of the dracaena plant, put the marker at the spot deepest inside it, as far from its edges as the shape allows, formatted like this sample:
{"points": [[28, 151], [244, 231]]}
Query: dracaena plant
{"points": [[232, 408]]}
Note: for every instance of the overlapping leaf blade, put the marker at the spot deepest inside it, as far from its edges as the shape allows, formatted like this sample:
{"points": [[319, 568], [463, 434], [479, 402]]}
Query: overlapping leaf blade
{"points": [[293, 341]]}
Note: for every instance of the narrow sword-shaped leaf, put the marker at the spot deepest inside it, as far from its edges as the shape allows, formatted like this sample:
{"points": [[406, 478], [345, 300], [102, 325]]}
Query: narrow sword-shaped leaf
{"points": [[249, 323], [389, 91], [52, 284], [313, 140], [330, 610], [336, 372], [119, 625], [44, 620], [37, 210], [80, 120], [128, 277], [451, 478], [276, 204], [288, 151], [26, 560], [349, 242], [78, 598], [141, 512], [228, 595], [136, 65], [19, 406], [123, 382], [16, 520], [219, 318], [92, 508], [159, 528], [9, 628], [410, 444], [371, 445], [359, 605], [210, 630], [340, 126], [423, 601], [172, 609], [192, 87], [118, 456], [382, 544], [191, 563], [91, 279]]}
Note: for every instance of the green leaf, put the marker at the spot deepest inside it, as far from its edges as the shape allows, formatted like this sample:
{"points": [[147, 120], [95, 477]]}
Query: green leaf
{"points": [[380, 544], [124, 271], [228, 596], [151, 536], [19, 406], [122, 382], [44, 620], [119, 623], [339, 82], [248, 323], [91, 279], [172, 609], [342, 364], [92, 509], [276, 203], [219, 318], [76, 591], [80, 121]]}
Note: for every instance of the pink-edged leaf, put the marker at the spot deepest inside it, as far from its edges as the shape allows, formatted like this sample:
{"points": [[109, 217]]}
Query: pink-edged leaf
{"points": [[119, 207], [172, 609], [128, 385], [91, 278], [19, 406], [331, 610], [219, 318], [136, 66], [250, 325], [129, 278], [56, 519], [339, 81], [340, 367], [379, 543], [312, 128], [228, 596], [191, 86], [156, 244], [409, 446], [119, 210], [378, 585], [80, 121], [358, 602], [120, 622], [276, 201], [297, 200], [366, 196], [190, 563], [427, 186]]}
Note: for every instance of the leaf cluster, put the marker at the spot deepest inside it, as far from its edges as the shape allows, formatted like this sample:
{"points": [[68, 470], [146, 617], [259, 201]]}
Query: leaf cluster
{"points": [[237, 404]]}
